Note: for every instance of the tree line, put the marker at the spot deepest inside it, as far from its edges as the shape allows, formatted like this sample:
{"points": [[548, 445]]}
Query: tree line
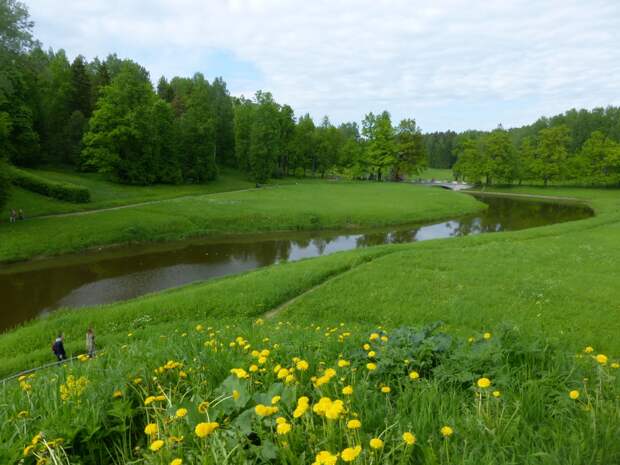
{"points": [[106, 116]]}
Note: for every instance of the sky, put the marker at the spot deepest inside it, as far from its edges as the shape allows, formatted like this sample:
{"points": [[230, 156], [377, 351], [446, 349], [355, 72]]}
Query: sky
{"points": [[450, 64]]}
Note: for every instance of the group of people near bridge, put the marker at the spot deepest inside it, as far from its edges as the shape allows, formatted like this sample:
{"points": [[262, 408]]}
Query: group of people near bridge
{"points": [[58, 347]]}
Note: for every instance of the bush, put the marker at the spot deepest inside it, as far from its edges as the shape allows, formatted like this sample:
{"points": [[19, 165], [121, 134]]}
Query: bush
{"points": [[5, 184], [61, 191]]}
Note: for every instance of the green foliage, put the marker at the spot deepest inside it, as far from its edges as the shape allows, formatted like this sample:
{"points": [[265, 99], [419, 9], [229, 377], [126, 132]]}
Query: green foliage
{"points": [[550, 156], [381, 150], [264, 138], [120, 139], [61, 191], [5, 183]]}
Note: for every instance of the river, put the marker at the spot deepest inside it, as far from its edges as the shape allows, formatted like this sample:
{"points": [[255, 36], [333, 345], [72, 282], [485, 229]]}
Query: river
{"points": [[97, 277]]}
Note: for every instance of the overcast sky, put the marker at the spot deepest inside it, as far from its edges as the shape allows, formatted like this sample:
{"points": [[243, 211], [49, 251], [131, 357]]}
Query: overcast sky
{"points": [[450, 64]]}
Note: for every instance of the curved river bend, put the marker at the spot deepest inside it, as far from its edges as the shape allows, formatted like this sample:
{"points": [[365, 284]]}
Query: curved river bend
{"points": [[28, 290]]}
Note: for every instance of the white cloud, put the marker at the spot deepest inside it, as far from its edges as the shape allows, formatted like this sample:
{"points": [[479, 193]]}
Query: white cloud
{"points": [[450, 64]]}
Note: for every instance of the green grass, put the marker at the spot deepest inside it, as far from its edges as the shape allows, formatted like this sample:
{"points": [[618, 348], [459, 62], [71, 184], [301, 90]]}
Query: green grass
{"points": [[304, 206], [106, 194], [543, 294], [435, 173]]}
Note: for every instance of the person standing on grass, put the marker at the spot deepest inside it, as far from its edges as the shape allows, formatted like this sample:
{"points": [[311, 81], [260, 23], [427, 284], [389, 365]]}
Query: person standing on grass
{"points": [[59, 349], [90, 342], [13, 217], [20, 214]]}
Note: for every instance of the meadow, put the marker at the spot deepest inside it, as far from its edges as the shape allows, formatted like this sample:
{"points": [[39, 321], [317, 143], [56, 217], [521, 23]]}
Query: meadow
{"points": [[309, 205], [340, 359], [108, 194]]}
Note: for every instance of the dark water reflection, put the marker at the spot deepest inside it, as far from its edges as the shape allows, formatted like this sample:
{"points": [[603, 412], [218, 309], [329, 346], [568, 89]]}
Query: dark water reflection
{"points": [[96, 278]]}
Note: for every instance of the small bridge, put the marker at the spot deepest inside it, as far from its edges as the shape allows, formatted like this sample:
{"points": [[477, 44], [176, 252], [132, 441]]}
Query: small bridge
{"points": [[453, 185]]}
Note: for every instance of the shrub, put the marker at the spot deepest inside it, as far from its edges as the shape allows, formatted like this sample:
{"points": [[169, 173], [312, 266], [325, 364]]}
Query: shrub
{"points": [[61, 191], [5, 183]]}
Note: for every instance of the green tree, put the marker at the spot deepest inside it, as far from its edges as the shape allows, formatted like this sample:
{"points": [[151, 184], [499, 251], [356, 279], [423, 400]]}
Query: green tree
{"points": [[549, 158], [264, 138], [244, 116], [118, 140], [381, 149], [303, 145], [411, 155], [197, 134], [599, 160], [469, 166], [287, 134], [80, 93], [224, 123], [19, 141], [498, 157]]}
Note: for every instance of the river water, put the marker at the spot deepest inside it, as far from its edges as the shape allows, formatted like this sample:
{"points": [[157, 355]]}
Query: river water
{"points": [[91, 278]]}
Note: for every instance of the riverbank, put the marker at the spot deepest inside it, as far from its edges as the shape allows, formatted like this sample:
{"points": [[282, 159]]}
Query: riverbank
{"points": [[542, 295], [312, 205]]}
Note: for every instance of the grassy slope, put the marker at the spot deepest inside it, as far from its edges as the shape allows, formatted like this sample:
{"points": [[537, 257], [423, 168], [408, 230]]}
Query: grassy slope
{"points": [[313, 205], [560, 278], [106, 194], [564, 273]]}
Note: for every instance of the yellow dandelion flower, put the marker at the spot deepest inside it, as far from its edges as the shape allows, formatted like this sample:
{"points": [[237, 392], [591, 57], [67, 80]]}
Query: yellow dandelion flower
{"points": [[283, 428], [275, 400], [486, 336], [177, 462], [265, 411], [409, 438], [156, 445], [116, 394], [202, 430], [235, 394], [354, 424], [350, 453], [588, 350], [615, 365], [497, 394], [302, 365], [371, 366], [180, 413], [366, 347], [602, 359], [446, 431], [347, 390], [484, 383], [151, 429], [414, 375], [203, 406], [325, 458], [372, 353], [376, 443], [574, 394]]}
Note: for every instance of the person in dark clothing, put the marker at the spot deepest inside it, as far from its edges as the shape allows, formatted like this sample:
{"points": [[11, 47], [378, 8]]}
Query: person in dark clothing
{"points": [[59, 349]]}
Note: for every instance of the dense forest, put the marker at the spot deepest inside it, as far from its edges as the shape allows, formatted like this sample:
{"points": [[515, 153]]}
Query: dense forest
{"points": [[106, 115]]}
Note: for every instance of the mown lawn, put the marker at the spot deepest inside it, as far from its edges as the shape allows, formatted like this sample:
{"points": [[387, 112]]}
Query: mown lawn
{"points": [[303, 206], [105, 194], [533, 314]]}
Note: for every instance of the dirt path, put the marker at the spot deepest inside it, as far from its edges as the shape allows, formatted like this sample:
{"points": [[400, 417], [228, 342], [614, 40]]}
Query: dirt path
{"points": [[141, 204], [283, 306]]}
